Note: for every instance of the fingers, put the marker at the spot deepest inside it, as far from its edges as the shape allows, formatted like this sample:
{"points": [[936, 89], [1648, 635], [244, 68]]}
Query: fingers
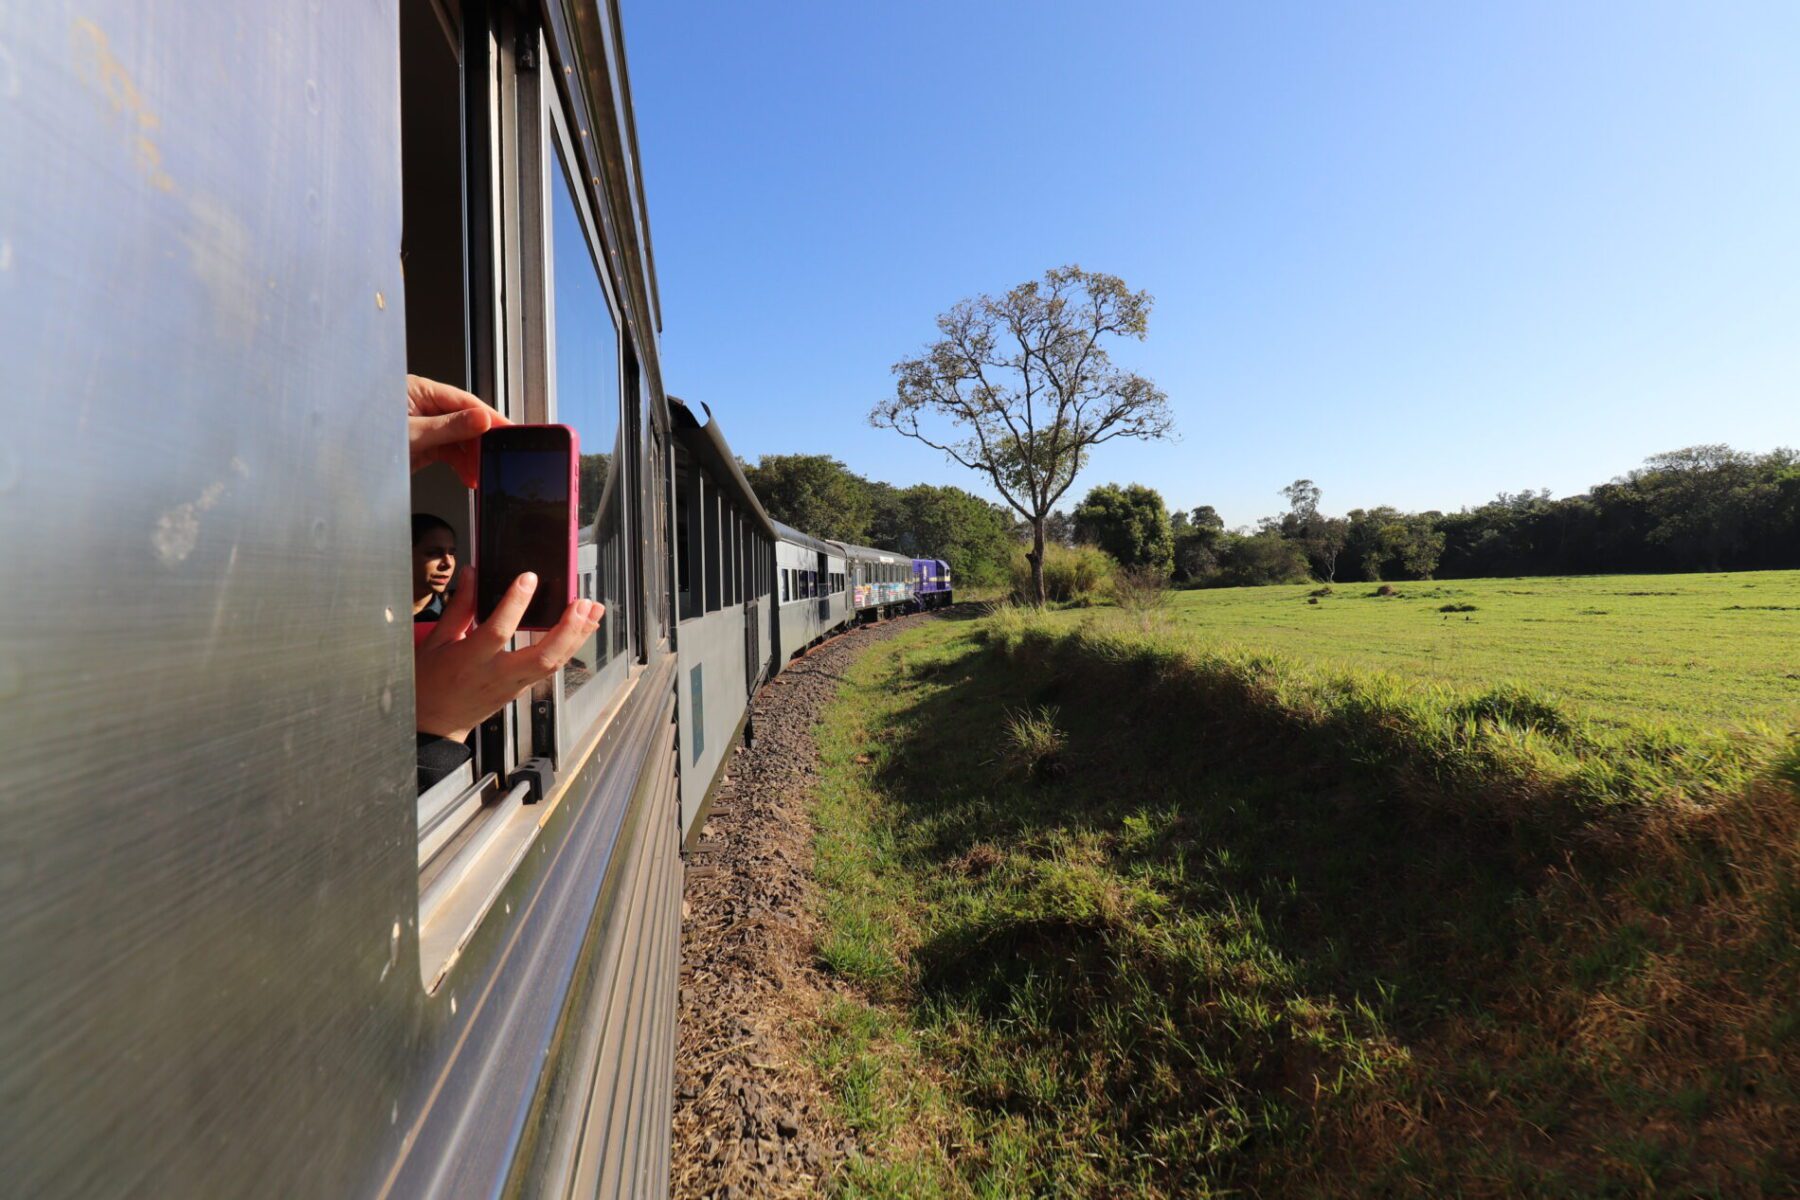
{"points": [[443, 424], [448, 429], [579, 621], [464, 460], [459, 614], [427, 397], [504, 622]]}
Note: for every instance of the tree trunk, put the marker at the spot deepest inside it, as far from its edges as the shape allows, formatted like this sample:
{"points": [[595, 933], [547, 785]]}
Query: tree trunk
{"points": [[1036, 558]]}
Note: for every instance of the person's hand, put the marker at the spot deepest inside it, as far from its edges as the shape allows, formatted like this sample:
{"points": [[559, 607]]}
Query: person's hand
{"points": [[442, 425], [463, 676]]}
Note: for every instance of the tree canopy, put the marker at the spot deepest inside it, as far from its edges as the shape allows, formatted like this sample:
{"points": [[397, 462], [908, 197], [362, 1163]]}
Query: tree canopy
{"points": [[813, 492], [1129, 523], [1700, 508], [1021, 388]]}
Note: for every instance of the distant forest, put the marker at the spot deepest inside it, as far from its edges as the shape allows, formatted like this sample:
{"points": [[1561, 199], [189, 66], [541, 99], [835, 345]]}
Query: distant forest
{"points": [[1703, 508], [819, 495]]}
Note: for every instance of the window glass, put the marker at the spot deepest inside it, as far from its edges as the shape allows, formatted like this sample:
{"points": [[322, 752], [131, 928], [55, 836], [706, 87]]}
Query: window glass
{"points": [[732, 530], [711, 507], [587, 399], [652, 488], [686, 588]]}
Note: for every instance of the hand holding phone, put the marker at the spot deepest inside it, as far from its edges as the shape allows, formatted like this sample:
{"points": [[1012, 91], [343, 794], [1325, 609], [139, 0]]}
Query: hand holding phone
{"points": [[463, 675], [525, 521]]}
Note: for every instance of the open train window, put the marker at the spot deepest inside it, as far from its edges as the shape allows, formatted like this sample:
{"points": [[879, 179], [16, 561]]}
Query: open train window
{"points": [[432, 250], [733, 552], [746, 556], [688, 566], [714, 543]]}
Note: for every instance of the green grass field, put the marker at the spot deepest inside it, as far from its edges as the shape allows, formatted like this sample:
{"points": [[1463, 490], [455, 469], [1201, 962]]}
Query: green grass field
{"points": [[1204, 906], [1704, 650]]}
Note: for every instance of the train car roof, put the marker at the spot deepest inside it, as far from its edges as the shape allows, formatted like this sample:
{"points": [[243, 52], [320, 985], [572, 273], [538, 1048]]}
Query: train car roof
{"points": [[855, 551], [788, 533], [707, 444]]}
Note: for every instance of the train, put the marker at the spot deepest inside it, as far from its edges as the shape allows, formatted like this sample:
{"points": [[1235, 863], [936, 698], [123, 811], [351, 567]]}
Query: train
{"points": [[245, 954]]}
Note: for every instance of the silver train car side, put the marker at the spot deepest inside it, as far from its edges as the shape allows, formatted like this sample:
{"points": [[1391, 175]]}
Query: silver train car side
{"points": [[244, 954], [810, 580], [881, 581]]}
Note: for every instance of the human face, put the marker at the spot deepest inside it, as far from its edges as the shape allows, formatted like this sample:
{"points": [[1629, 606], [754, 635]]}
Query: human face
{"points": [[434, 564]]}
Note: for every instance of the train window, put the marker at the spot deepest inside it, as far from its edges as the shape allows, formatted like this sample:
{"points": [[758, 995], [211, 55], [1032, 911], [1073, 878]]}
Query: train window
{"points": [[431, 245], [585, 368], [684, 569], [431, 234], [690, 536], [724, 551], [734, 560], [714, 542], [743, 557], [720, 510], [654, 487]]}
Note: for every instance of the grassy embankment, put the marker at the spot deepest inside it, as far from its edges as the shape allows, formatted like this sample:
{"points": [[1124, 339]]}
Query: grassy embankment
{"points": [[1130, 914]]}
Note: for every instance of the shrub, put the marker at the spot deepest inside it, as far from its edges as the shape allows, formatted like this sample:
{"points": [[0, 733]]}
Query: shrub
{"points": [[1031, 744], [1070, 574], [1141, 591], [1262, 558]]}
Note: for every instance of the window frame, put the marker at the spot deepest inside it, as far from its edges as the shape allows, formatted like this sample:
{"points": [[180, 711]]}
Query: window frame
{"points": [[577, 713]]}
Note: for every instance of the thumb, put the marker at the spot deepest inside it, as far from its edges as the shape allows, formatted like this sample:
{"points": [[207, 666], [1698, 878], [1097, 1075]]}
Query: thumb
{"points": [[448, 429]]}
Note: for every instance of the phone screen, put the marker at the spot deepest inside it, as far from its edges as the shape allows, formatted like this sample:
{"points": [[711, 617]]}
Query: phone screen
{"points": [[525, 520]]}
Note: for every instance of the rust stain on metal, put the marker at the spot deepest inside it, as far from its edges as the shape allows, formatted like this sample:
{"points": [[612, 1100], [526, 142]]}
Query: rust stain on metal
{"points": [[97, 63]]}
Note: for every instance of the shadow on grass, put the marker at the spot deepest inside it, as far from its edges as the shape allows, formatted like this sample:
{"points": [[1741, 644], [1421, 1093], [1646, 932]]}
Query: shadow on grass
{"points": [[1181, 936], [1364, 893]]}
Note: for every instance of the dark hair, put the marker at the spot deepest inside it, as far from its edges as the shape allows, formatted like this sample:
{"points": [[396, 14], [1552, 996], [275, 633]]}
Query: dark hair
{"points": [[424, 523]]}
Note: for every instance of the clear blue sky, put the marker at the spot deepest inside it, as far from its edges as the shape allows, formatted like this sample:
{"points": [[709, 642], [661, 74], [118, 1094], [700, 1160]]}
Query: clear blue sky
{"points": [[1418, 253]]}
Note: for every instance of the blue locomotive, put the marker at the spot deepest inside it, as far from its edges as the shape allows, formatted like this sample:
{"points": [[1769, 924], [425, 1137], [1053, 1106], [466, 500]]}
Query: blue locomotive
{"points": [[931, 582]]}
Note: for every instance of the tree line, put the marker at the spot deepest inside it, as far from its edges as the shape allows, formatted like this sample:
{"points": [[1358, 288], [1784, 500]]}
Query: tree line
{"points": [[823, 497], [1701, 508]]}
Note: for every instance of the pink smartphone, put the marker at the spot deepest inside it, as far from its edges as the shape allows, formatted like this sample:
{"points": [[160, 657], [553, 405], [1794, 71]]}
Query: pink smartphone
{"points": [[525, 519]]}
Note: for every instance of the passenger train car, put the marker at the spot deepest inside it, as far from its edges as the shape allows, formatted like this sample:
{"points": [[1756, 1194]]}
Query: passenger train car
{"points": [[880, 581], [243, 955]]}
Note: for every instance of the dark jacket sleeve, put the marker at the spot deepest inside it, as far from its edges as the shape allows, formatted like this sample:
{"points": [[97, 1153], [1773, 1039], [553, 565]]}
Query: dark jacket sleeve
{"points": [[438, 756]]}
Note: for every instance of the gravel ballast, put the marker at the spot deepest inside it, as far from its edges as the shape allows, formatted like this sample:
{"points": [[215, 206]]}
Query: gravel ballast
{"points": [[751, 1118]]}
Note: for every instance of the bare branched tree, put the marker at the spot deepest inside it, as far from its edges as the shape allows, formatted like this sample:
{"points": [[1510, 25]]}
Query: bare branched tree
{"points": [[1020, 388]]}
